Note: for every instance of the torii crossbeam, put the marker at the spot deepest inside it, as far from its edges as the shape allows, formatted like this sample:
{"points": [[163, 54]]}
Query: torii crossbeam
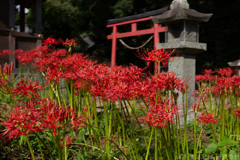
{"points": [[114, 23]]}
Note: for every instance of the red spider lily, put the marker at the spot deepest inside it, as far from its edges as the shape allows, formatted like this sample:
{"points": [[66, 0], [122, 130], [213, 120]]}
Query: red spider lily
{"points": [[160, 115], [195, 107], [207, 72], [173, 82], [19, 51], [69, 43], [53, 75], [25, 58], [114, 83], [50, 41], [5, 52], [7, 70], [27, 87], [237, 112], [22, 121], [39, 116], [225, 85], [157, 55], [43, 49], [60, 53], [64, 114], [206, 77], [164, 82], [207, 118], [56, 115], [226, 72], [199, 78], [52, 123]]}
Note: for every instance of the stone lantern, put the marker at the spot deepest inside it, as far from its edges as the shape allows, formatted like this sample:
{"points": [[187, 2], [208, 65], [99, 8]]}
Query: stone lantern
{"points": [[183, 27], [183, 34]]}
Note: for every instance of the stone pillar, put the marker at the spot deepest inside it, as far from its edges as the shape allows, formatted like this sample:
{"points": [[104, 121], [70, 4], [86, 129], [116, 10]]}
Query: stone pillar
{"points": [[185, 69]]}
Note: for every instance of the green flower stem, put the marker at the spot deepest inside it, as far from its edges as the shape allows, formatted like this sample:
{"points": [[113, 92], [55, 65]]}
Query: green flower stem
{"points": [[40, 149], [58, 96], [67, 87], [64, 144], [79, 102], [49, 150], [223, 116], [210, 102], [159, 150], [123, 135], [10, 90], [167, 142], [195, 136], [134, 114], [156, 142], [62, 96], [119, 149], [214, 133], [132, 131], [149, 143], [29, 146], [72, 102], [185, 111], [177, 132], [106, 131], [83, 144], [199, 139]]}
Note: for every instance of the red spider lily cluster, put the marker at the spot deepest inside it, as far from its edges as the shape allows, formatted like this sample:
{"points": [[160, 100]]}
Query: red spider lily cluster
{"points": [[98, 79], [219, 85], [38, 116], [110, 83], [223, 83], [5, 52], [162, 113], [26, 88], [207, 118]]}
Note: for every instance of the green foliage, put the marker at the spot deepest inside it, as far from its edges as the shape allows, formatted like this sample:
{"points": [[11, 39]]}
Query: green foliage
{"points": [[225, 147], [5, 98]]}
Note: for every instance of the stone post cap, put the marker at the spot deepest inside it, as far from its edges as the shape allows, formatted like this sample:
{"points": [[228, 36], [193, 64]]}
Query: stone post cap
{"points": [[234, 63], [179, 3]]}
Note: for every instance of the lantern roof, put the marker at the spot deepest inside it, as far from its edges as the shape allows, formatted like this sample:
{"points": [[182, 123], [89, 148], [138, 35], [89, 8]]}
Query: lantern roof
{"points": [[234, 63], [181, 13]]}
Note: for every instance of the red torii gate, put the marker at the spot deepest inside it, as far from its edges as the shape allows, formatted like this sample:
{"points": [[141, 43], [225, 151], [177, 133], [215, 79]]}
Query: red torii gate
{"points": [[134, 32]]}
